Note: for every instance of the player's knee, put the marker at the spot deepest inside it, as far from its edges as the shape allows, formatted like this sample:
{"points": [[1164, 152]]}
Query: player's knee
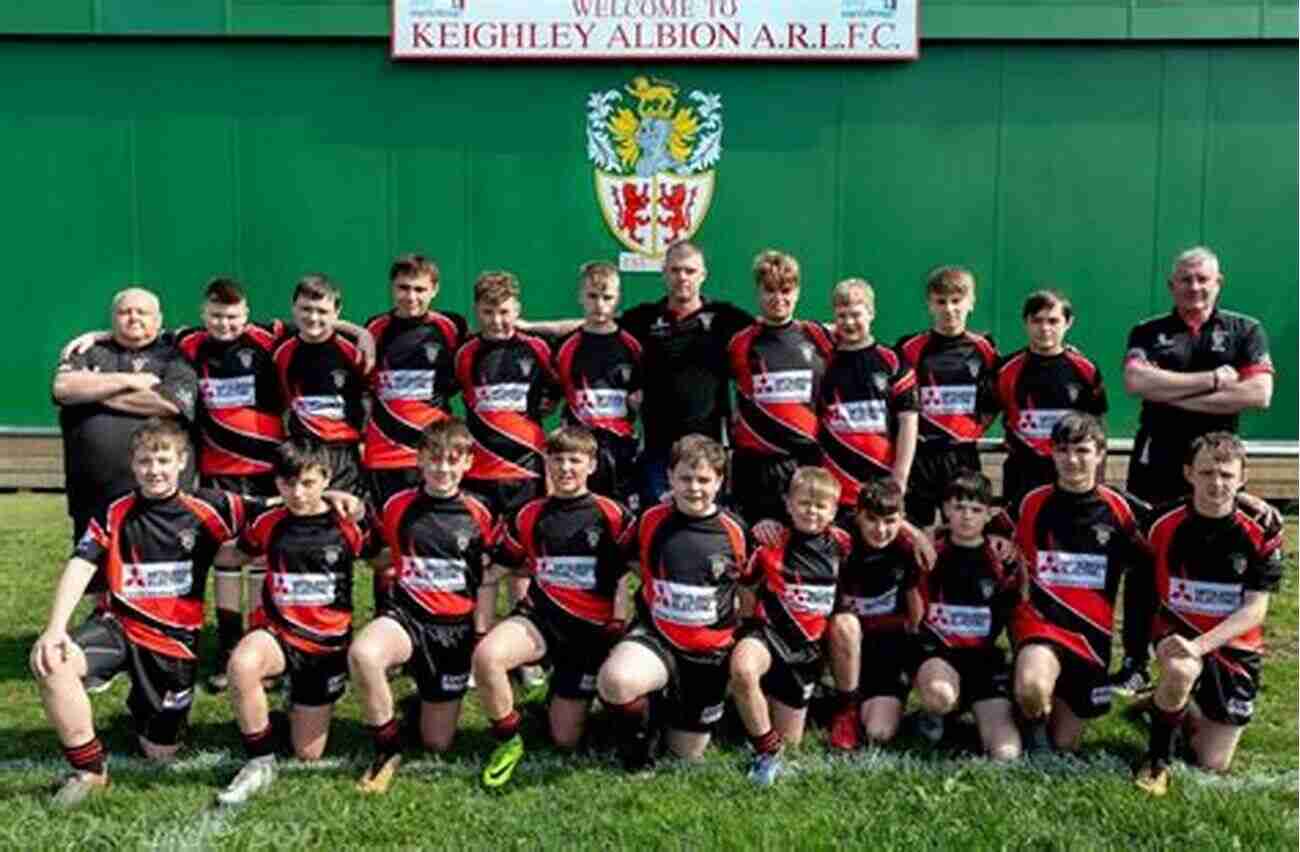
{"points": [[939, 696], [487, 658], [614, 686], [1033, 694], [845, 632], [1004, 751], [880, 730], [1180, 672], [745, 672], [1217, 761], [365, 659], [308, 751], [244, 670]]}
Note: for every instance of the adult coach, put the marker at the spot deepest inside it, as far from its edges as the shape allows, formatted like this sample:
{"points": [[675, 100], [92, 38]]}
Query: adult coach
{"points": [[1195, 369]]}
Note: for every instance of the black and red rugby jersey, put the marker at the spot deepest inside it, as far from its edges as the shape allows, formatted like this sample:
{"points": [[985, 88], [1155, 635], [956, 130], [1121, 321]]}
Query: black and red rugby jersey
{"points": [[598, 372], [952, 374], [796, 580], [240, 406], [506, 385], [323, 384], [412, 384], [307, 595], [862, 394], [971, 593], [156, 555], [874, 582], [573, 548], [1036, 391], [439, 548], [778, 372]]}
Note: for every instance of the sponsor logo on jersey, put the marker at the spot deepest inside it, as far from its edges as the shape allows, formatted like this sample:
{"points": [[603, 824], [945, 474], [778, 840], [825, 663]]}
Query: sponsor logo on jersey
{"points": [[867, 416], [327, 407], [680, 603], [178, 699], [187, 539], [954, 620], [711, 714], [882, 604], [567, 572], [1072, 570], [1240, 707], [455, 683], [817, 599], [783, 386], [428, 574], [405, 384], [504, 396], [1163, 341], [1201, 597], [1100, 696], [1039, 422], [948, 399], [594, 403], [237, 392], [157, 579], [302, 589], [336, 683]]}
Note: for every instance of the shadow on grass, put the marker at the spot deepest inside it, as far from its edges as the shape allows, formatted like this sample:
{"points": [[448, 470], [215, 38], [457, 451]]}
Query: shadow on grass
{"points": [[14, 653]]}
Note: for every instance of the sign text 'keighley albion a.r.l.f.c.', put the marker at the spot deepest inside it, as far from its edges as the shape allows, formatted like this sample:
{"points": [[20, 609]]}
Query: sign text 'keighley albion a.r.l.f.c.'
{"points": [[840, 30]]}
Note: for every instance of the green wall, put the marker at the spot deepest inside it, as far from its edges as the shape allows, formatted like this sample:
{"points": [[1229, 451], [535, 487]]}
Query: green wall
{"points": [[1082, 165]]}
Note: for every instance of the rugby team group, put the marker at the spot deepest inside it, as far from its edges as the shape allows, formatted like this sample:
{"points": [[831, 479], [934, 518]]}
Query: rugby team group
{"points": [[846, 534]]}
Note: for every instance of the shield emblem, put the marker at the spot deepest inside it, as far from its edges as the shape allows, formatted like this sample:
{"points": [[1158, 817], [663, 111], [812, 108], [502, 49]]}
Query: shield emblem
{"points": [[654, 155], [986, 589], [340, 378], [245, 357], [138, 363], [1218, 340], [718, 565], [807, 349], [1072, 391], [880, 380], [706, 320], [525, 365], [187, 539], [1238, 563], [593, 537], [1103, 533], [332, 555], [973, 366], [462, 541], [431, 351], [623, 373]]}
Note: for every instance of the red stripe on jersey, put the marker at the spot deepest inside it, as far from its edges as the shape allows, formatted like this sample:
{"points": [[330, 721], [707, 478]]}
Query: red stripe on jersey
{"points": [[1027, 625]]}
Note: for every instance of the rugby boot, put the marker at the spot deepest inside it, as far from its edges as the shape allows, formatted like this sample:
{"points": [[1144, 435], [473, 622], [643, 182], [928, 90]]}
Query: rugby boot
{"points": [[255, 776], [78, 787], [1152, 776], [1131, 679], [765, 768], [502, 762], [930, 727], [379, 775]]}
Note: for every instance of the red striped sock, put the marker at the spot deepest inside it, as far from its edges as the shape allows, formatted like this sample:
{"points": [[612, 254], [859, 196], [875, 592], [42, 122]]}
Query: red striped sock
{"points": [[769, 743], [504, 729], [259, 743], [88, 757]]}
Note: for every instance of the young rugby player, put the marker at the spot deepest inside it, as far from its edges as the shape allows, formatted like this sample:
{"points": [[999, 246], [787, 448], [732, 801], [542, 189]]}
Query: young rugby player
{"points": [[1038, 385], [1215, 567], [304, 624], [953, 367], [788, 595], [599, 367], [691, 555], [867, 408], [1077, 537], [975, 585], [877, 612], [155, 545], [570, 543], [777, 364], [440, 541]]}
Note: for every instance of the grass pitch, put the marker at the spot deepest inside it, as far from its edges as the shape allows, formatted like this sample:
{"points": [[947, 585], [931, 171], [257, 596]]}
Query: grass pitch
{"points": [[908, 796]]}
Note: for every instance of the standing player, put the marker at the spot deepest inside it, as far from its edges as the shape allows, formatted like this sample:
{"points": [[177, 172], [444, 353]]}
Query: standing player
{"points": [[776, 661], [777, 364], [1038, 385], [1214, 570], [304, 623], [1195, 369], [570, 543], [867, 409], [691, 554], [971, 593], [953, 367], [1078, 537], [440, 539], [877, 612], [154, 546], [599, 367]]}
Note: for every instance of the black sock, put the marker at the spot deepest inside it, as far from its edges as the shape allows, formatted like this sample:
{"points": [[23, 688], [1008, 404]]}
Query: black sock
{"points": [[505, 728], [387, 737], [1164, 726], [230, 627]]}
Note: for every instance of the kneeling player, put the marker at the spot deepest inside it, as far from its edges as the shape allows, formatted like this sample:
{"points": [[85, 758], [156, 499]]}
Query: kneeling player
{"points": [[776, 661], [1214, 569], [155, 545], [877, 614], [1077, 538], [571, 546], [976, 583], [305, 620], [691, 555], [440, 540]]}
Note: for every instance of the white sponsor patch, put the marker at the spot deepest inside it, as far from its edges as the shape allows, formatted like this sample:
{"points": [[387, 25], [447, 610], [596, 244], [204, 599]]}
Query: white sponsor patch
{"points": [[783, 386], [178, 700], [588, 683], [239, 392], [328, 407], [1100, 696], [1039, 422], [453, 683], [427, 574], [336, 683], [405, 384], [302, 589], [954, 620], [1239, 707], [568, 572], [869, 416], [157, 579], [600, 403], [683, 604], [882, 604], [1071, 570], [506, 396], [809, 598], [948, 399], [711, 714], [1204, 598]]}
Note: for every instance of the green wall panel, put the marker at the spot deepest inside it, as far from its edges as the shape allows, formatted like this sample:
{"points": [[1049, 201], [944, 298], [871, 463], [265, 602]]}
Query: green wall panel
{"points": [[1083, 166]]}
